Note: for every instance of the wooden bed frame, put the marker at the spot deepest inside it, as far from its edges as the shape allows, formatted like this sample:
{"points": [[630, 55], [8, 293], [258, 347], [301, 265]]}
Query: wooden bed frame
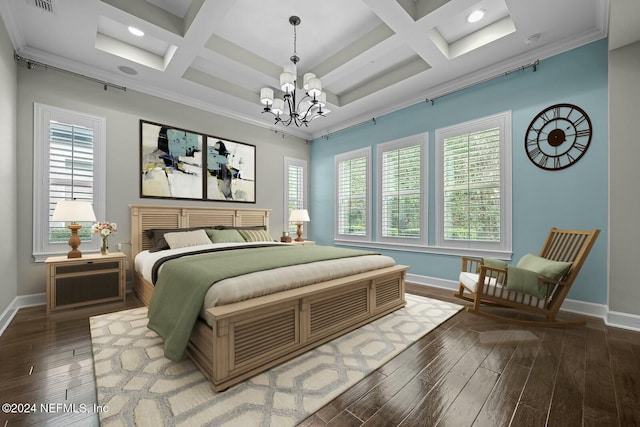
{"points": [[251, 336]]}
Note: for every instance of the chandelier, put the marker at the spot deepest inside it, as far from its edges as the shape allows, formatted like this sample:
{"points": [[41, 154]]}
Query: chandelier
{"points": [[287, 110]]}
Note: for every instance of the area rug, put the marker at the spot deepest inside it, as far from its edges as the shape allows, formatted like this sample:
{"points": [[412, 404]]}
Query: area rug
{"points": [[138, 386]]}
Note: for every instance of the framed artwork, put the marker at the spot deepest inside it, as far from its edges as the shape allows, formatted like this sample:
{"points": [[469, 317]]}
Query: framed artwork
{"points": [[181, 164], [231, 170]]}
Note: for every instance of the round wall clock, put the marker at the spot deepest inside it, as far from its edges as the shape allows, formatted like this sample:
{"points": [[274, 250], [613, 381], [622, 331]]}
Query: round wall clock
{"points": [[558, 136]]}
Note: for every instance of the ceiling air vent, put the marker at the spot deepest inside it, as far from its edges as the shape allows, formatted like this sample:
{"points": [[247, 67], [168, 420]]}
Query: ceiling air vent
{"points": [[45, 5]]}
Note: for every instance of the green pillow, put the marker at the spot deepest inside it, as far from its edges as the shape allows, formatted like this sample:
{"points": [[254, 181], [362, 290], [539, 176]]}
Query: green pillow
{"points": [[224, 236], [544, 267], [523, 280], [256, 235]]}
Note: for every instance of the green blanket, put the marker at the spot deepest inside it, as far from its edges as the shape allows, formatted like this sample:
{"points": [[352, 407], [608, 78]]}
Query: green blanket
{"points": [[181, 287]]}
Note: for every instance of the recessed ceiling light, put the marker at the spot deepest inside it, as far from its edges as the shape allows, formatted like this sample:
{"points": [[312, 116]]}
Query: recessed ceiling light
{"points": [[476, 15], [136, 32]]}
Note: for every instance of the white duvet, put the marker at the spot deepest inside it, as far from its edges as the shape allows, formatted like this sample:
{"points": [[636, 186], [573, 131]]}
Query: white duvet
{"points": [[269, 281]]}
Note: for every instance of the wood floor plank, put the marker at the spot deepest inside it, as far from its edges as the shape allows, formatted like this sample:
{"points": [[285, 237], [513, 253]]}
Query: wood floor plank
{"points": [[568, 394], [436, 402], [626, 372], [503, 400], [464, 409], [599, 394], [535, 399]]}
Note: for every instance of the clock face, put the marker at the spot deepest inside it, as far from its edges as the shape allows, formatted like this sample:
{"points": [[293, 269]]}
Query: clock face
{"points": [[558, 136]]}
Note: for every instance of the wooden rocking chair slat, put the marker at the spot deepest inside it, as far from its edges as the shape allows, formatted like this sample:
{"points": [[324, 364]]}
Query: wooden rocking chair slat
{"points": [[490, 290]]}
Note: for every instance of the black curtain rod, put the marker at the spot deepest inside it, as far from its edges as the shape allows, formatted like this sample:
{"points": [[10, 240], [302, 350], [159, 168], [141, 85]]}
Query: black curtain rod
{"points": [[533, 65], [31, 64]]}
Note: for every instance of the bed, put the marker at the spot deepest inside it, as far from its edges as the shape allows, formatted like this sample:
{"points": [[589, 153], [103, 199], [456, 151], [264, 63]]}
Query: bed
{"points": [[232, 342]]}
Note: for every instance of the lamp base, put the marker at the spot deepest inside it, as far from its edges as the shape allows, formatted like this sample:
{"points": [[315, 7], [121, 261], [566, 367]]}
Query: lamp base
{"points": [[299, 233], [74, 241]]}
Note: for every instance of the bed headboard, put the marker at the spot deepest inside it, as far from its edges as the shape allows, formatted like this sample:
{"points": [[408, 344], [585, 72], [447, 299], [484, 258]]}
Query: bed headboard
{"points": [[145, 217]]}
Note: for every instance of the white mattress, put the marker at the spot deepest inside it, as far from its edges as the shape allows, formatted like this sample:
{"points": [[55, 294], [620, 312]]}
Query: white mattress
{"points": [[265, 282]]}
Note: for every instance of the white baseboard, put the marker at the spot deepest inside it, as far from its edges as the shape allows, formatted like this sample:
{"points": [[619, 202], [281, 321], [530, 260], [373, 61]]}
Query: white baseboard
{"points": [[623, 320], [610, 318], [19, 302]]}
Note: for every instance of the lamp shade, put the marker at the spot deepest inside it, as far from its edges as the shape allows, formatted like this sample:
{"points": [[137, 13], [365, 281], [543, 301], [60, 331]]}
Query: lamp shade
{"points": [[278, 106], [73, 211], [306, 78], [299, 215], [266, 96], [315, 87], [286, 82]]}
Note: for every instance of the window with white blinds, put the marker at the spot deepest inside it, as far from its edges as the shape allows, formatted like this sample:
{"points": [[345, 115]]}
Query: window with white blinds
{"points": [[401, 194], [295, 175], [474, 162], [68, 164], [70, 173], [353, 195]]}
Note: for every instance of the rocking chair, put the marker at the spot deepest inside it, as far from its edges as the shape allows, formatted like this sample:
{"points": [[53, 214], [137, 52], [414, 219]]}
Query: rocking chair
{"points": [[487, 281]]}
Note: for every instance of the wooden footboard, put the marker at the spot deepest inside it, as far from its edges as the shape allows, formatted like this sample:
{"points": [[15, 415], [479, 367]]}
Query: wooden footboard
{"points": [[251, 336], [254, 335]]}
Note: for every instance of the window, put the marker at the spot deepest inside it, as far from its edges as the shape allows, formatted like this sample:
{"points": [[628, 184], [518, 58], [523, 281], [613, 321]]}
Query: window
{"points": [[69, 158], [401, 190], [473, 175], [353, 217], [295, 188]]}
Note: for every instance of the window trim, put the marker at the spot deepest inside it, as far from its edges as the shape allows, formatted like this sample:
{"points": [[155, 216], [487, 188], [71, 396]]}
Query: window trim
{"points": [[291, 161], [42, 114], [422, 140], [345, 238], [503, 248]]}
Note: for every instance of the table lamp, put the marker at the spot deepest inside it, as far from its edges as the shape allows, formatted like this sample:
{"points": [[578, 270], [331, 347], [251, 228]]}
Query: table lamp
{"points": [[73, 211], [298, 216]]}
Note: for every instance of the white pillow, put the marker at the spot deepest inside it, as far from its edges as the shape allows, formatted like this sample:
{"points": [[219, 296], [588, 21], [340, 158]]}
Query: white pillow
{"points": [[187, 238]]}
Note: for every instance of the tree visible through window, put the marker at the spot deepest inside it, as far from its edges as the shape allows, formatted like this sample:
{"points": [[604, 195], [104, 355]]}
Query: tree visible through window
{"points": [[353, 194], [295, 189], [401, 166], [473, 184]]}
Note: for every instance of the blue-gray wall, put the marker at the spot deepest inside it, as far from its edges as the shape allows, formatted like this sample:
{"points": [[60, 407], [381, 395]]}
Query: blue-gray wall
{"points": [[575, 197]]}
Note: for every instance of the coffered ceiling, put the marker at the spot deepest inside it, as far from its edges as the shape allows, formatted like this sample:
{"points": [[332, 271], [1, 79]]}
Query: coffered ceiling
{"points": [[372, 56]]}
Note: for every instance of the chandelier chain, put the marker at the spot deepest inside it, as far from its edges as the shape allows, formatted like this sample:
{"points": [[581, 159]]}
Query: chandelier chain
{"points": [[295, 39]]}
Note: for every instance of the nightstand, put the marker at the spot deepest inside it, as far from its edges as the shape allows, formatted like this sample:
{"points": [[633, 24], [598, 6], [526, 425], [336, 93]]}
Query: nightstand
{"points": [[304, 243], [92, 279]]}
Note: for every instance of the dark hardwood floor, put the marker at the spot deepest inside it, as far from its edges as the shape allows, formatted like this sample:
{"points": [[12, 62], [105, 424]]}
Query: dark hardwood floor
{"points": [[468, 371]]}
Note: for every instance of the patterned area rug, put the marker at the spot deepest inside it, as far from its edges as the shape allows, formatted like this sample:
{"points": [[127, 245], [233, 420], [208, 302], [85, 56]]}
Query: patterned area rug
{"points": [[140, 387]]}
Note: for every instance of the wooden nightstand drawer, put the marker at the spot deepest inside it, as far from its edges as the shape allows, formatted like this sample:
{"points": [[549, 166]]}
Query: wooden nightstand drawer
{"points": [[88, 266], [82, 281]]}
